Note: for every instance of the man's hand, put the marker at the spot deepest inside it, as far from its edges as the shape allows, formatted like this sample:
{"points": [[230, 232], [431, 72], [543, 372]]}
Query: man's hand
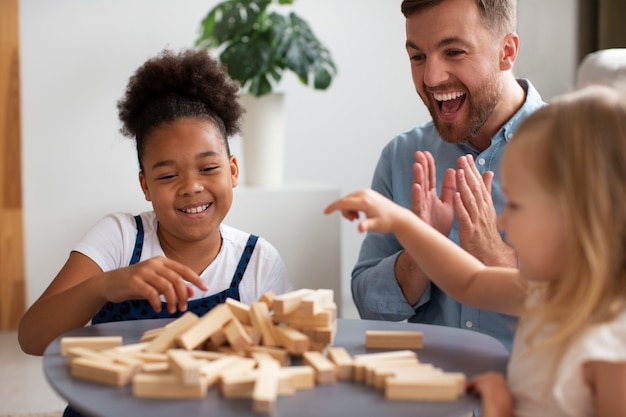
{"points": [[476, 216], [435, 210]]}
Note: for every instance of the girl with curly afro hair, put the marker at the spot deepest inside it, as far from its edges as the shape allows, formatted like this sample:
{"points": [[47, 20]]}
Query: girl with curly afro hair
{"points": [[180, 108]]}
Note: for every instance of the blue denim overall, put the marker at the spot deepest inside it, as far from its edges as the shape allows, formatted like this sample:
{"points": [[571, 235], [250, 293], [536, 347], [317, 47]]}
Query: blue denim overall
{"points": [[141, 309]]}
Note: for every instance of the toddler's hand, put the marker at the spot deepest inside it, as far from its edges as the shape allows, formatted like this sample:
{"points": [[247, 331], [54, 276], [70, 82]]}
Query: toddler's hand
{"points": [[380, 212]]}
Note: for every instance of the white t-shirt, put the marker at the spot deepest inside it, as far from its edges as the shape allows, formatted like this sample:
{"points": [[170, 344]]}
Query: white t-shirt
{"points": [[110, 244], [569, 395]]}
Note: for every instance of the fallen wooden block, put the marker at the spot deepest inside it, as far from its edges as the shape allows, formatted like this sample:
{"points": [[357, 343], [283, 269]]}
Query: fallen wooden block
{"points": [[384, 339], [208, 324], [278, 353], [102, 372], [377, 375], [183, 364], [360, 361], [266, 385], [343, 361], [290, 302], [296, 319], [292, 340], [211, 371], [325, 370], [424, 387], [155, 385], [83, 352], [91, 342], [317, 302], [166, 338], [301, 377], [237, 336], [261, 319], [268, 298], [240, 310]]}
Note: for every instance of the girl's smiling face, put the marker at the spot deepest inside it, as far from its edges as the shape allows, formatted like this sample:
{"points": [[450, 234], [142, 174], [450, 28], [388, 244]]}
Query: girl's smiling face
{"points": [[189, 178]]}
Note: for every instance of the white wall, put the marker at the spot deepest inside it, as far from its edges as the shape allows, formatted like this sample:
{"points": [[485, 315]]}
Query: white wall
{"points": [[77, 55]]}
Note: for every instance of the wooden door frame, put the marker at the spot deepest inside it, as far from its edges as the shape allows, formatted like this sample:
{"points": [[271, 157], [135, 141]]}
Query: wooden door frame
{"points": [[12, 282]]}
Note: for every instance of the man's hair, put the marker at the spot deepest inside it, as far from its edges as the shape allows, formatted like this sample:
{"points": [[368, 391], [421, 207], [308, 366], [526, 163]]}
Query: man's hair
{"points": [[501, 15]]}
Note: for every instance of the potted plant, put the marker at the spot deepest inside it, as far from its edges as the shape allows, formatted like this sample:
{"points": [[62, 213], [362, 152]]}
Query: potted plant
{"points": [[257, 45]]}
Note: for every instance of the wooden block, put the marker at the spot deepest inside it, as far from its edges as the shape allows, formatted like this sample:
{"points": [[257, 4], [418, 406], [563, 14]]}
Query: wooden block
{"points": [[317, 302], [237, 336], [164, 386], [150, 335], [387, 368], [268, 298], [302, 376], [216, 341], [278, 353], [255, 335], [134, 363], [131, 348], [290, 302], [361, 360], [291, 339], [242, 385], [425, 387], [382, 339], [208, 324], [343, 361], [327, 318], [83, 352], [240, 310], [156, 367], [101, 372], [206, 354], [325, 370], [261, 319], [211, 370], [239, 367], [266, 386], [324, 335], [149, 357], [239, 385], [166, 339], [91, 342], [424, 371], [183, 364]]}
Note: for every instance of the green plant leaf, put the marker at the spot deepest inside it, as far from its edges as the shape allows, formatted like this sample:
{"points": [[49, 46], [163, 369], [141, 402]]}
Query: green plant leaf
{"points": [[258, 45]]}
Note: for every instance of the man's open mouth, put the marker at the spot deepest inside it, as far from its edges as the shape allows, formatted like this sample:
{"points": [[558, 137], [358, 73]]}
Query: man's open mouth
{"points": [[449, 103]]}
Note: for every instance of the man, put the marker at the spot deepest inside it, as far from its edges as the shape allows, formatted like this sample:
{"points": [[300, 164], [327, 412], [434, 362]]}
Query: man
{"points": [[461, 54]]}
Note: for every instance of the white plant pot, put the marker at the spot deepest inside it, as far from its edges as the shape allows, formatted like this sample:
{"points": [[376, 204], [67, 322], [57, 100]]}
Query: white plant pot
{"points": [[263, 139]]}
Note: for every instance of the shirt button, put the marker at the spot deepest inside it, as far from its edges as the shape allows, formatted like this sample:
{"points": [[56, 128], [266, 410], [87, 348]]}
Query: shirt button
{"points": [[481, 161], [469, 324]]}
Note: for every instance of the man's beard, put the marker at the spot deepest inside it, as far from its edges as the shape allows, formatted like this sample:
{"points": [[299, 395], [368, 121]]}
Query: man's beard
{"points": [[482, 101]]}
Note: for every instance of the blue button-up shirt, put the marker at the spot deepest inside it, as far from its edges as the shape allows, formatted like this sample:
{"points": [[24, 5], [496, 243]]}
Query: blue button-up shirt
{"points": [[375, 290]]}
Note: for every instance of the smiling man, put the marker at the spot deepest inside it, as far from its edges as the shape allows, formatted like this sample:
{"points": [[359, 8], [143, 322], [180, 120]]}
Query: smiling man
{"points": [[461, 54]]}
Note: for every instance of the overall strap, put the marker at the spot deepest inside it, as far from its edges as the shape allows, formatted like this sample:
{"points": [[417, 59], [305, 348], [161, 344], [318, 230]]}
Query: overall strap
{"points": [[138, 241], [243, 261]]}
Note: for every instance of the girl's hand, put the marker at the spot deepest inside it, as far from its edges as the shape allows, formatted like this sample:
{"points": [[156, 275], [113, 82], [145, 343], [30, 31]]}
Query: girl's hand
{"points": [[380, 212], [493, 390], [151, 278]]}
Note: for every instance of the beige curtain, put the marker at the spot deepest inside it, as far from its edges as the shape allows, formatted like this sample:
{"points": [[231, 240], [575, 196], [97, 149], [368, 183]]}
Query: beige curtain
{"points": [[601, 25]]}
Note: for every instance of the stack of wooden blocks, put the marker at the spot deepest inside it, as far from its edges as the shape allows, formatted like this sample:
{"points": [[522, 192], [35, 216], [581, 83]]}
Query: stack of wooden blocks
{"points": [[246, 351]]}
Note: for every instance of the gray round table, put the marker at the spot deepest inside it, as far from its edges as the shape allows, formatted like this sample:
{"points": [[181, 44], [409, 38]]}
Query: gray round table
{"points": [[453, 350]]}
